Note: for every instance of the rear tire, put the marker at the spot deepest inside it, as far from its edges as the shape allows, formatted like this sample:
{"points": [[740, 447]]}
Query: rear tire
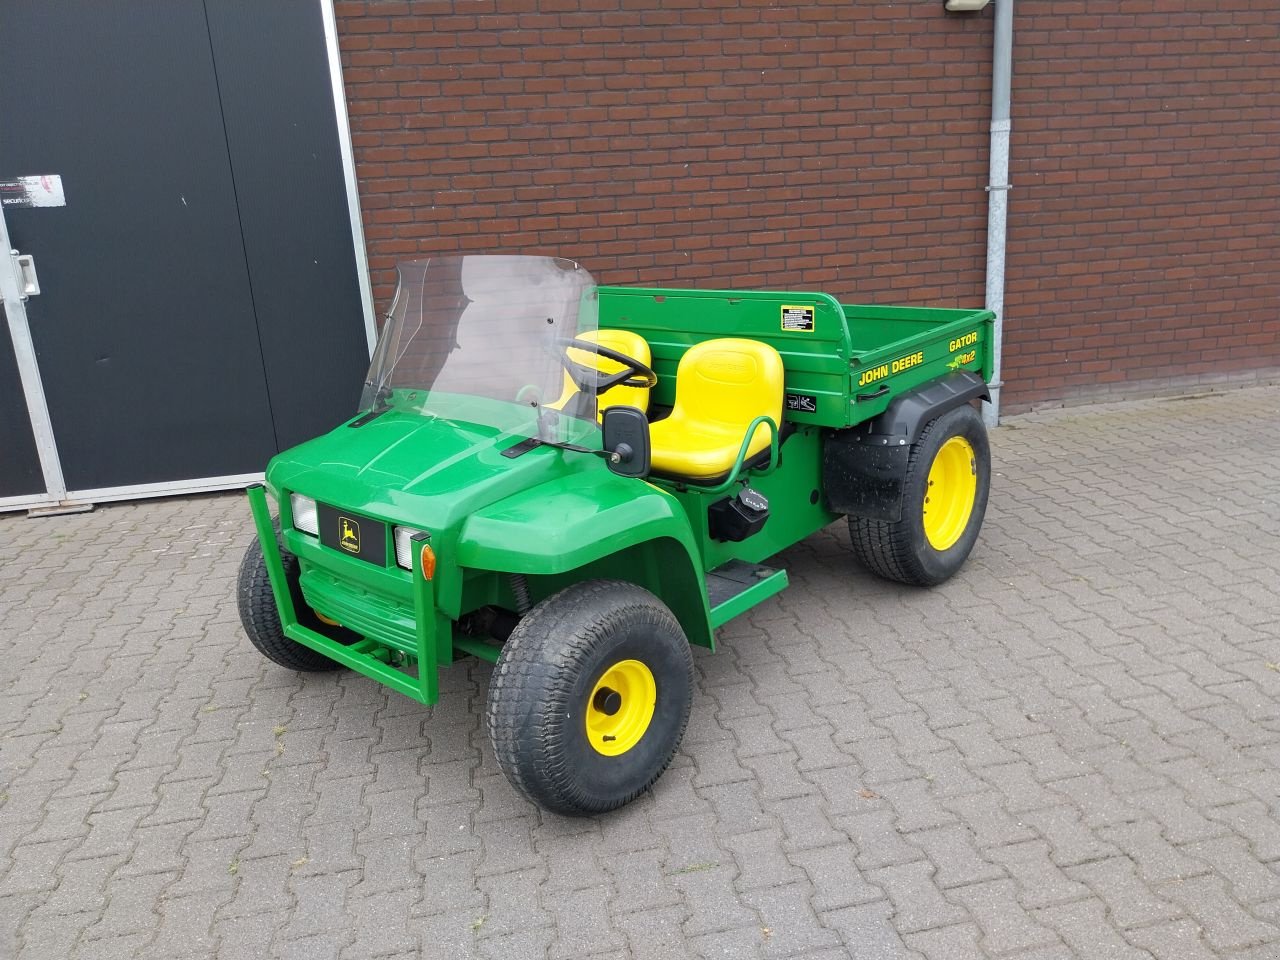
{"points": [[590, 697], [261, 619], [944, 500]]}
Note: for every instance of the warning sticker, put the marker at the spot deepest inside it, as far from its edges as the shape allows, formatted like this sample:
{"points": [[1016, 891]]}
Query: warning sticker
{"points": [[797, 318], [802, 402]]}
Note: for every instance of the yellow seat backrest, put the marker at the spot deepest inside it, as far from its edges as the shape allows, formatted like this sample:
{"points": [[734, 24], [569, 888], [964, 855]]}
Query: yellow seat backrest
{"points": [[721, 386], [622, 341]]}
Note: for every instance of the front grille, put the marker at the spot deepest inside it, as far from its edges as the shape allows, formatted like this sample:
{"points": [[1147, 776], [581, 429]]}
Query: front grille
{"points": [[385, 619]]}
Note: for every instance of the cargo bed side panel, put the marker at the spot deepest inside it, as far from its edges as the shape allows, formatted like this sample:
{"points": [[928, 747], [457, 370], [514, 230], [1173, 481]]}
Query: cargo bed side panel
{"points": [[916, 345]]}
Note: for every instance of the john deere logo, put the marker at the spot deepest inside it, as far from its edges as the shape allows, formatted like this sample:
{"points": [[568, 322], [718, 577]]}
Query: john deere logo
{"points": [[348, 535]]}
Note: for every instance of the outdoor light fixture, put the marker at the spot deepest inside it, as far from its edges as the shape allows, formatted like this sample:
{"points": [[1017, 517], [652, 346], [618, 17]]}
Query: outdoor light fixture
{"points": [[966, 6]]}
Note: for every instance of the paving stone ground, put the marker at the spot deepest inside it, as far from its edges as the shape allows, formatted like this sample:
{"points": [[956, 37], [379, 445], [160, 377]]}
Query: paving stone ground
{"points": [[1071, 750]]}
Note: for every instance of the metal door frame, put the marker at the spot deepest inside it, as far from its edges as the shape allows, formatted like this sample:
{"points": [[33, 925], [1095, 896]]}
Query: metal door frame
{"points": [[24, 351], [57, 496]]}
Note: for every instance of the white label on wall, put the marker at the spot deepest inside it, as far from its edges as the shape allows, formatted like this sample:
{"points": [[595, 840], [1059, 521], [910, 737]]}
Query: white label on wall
{"points": [[41, 191]]}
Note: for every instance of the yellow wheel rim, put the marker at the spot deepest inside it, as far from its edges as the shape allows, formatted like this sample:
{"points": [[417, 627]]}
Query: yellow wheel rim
{"points": [[620, 707], [948, 500]]}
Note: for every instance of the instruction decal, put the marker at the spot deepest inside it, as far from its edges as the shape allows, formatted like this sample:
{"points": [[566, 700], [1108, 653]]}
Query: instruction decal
{"points": [[802, 402], [42, 191], [797, 318]]}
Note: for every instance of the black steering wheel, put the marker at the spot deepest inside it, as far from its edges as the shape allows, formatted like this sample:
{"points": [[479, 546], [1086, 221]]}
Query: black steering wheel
{"points": [[595, 382]]}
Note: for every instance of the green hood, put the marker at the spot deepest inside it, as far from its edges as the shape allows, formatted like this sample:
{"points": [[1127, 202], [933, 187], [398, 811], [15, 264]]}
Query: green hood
{"points": [[418, 470]]}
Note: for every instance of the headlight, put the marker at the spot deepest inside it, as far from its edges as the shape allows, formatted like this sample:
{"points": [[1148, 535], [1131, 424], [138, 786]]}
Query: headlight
{"points": [[305, 517], [404, 546]]}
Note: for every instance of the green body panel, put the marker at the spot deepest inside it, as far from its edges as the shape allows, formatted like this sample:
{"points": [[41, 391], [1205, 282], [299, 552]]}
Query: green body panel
{"points": [[590, 524], [796, 505], [549, 517]]}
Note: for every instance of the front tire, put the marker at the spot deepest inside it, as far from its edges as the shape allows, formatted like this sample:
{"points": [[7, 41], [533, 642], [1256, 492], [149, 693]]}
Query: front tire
{"points": [[944, 500], [590, 697], [261, 619]]}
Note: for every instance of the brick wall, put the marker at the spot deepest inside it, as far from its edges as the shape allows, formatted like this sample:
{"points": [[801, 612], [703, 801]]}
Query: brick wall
{"points": [[843, 146]]}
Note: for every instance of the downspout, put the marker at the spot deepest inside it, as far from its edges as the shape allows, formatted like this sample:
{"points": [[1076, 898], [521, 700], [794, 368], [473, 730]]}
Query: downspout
{"points": [[998, 187]]}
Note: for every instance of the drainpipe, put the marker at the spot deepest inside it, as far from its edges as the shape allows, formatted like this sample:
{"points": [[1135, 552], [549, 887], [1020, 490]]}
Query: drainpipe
{"points": [[998, 195]]}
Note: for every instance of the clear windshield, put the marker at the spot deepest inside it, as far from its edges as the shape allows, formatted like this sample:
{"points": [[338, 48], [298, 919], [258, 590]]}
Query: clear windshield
{"points": [[480, 339]]}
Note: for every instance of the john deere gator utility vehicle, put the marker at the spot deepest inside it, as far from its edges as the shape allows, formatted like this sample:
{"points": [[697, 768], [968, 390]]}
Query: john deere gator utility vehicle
{"points": [[575, 483]]}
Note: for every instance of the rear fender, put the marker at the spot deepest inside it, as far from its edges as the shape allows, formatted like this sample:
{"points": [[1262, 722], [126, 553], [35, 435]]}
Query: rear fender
{"points": [[864, 467]]}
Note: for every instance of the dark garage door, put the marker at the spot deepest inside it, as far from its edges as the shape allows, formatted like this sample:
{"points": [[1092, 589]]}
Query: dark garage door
{"points": [[200, 306]]}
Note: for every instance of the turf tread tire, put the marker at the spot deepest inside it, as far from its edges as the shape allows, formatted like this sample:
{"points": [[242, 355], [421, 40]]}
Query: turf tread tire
{"points": [[261, 619], [555, 653], [899, 550]]}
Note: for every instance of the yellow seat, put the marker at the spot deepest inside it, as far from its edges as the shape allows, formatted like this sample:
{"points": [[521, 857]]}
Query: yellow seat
{"points": [[721, 386], [622, 341]]}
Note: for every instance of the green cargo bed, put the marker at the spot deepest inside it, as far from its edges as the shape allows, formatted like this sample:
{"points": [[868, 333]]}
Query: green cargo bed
{"points": [[844, 363]]}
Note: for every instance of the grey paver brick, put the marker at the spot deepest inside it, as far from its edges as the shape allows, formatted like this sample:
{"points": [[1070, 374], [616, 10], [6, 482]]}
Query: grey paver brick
{"points": [[691, 842], [805, 822], [524, 945], [1248, 880], [778, 776], [319, 946], [458, 935], [952, 851], [53, 936], [1157, 860], [789, 925], [1130, 902], [186, 924], [1070, 840], [1040, 881], [246, 937], [876, 838], [655, 933], [917, 901], [34, 867], [643, 883], [738, 943], [125, 947], [511, 903], [738, 808], [986, 816], [1227, 925], [380, 923], [1085, 928], [1179, 940], [1254, 822], [319, 904], [836, 881], [867, 930], [1006, 926], [916, 805], [713, 905], [956, 942], [1022, 791], [1180, 822], [760, 859], [582, 924]]}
